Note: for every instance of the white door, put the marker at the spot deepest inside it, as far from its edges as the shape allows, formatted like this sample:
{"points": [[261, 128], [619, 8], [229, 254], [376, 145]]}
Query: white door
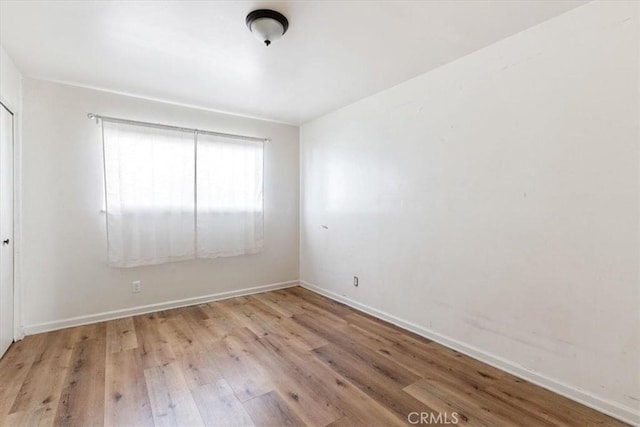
{"points": [[6, 229]]}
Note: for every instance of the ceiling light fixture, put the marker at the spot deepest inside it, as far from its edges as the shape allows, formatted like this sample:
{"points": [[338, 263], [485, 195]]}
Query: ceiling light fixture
{"points": [[267, 25]]}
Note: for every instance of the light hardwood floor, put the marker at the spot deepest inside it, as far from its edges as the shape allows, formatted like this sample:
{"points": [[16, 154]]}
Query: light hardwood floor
{"points": [[288, 357]]}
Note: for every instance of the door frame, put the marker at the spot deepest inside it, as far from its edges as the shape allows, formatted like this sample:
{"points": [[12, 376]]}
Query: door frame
{"points": [[18, 330]]}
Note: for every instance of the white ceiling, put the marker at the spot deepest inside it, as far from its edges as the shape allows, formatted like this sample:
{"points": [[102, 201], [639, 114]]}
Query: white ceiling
{"points": [[200, 53]]}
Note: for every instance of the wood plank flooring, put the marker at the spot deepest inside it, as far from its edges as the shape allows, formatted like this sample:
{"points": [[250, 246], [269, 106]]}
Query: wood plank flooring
{"points": [[281, 358]]}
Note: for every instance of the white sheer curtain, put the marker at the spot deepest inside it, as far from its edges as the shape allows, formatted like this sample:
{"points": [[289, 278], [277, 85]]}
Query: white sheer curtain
{"points": [[169, 198], [150, 200], [229, 203]]}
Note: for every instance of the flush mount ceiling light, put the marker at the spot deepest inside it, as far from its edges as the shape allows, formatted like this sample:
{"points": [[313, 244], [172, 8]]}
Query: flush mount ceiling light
{"points": [[267, 25]]}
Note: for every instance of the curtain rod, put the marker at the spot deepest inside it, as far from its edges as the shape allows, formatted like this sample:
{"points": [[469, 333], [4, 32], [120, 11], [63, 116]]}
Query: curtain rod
{"points": [[176, 128]]}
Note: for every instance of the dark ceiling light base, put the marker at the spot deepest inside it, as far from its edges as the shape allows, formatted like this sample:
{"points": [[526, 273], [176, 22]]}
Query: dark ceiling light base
{"points": [[267, 25]]}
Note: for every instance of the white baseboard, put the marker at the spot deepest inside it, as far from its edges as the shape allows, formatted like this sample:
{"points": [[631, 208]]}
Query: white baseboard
{"points": [[623, 413], [134, 311]]}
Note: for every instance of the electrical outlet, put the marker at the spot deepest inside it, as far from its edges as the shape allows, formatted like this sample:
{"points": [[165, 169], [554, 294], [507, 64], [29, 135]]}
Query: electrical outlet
{"points": [[136, 286], [355, 281]]}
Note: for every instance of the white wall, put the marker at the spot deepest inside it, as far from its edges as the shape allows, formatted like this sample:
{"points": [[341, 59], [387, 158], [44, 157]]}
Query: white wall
{"points": [[10, 81], [493, 202], [65, 272]]}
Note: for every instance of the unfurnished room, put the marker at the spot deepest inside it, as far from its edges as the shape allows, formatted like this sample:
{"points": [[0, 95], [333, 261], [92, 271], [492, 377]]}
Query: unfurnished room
{"points": [[320, 213]]}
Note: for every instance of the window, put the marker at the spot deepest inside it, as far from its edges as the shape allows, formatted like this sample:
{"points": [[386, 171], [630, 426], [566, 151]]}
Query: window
{"points": [[174, 195]]}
